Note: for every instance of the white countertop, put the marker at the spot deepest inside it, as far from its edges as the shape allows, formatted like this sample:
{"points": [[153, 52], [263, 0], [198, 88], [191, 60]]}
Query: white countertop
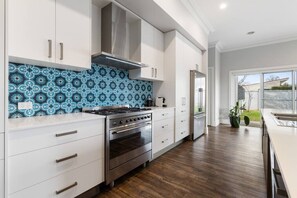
{"points": [[159, 108], [44, 121], [284, 144]]}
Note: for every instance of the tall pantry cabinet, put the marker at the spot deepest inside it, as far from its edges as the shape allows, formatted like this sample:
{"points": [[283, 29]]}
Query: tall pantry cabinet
{"points": [[180, 57], [2, 92]]}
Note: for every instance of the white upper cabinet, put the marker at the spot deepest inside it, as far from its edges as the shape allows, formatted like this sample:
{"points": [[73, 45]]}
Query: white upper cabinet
{"points": [[150, 52], [31, 30], [50, 33], [73, 33], [2, 66]]}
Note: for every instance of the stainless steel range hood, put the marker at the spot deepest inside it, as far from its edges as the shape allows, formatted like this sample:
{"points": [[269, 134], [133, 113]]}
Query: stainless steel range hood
{"points": [[115, 39]]}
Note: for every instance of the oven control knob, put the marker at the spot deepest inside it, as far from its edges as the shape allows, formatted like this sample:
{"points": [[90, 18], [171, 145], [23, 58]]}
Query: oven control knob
{"points": [[142, 118], [134, 119], [138, 118], [148, 116], [127, 121], [145, 117], [131, 120], [121, 122]]}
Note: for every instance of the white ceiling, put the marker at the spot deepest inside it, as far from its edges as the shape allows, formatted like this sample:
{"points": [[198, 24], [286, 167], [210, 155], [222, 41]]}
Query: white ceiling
{"points": [[272, 20]]}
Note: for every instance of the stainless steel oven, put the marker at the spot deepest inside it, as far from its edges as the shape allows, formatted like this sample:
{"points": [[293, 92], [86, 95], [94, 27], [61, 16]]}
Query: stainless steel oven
{"points": [[128, 144], [128, 139]]}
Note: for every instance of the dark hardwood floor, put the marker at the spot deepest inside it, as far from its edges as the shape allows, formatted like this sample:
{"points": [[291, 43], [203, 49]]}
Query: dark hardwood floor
{"points": [[224, 163]]}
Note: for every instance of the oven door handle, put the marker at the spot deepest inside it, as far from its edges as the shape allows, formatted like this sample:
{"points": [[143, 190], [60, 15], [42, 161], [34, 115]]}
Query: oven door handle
{"points": [[131, 128]]}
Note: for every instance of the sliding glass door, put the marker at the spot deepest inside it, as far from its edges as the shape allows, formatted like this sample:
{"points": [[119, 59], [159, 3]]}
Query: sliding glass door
{"points": [[278, 90]]}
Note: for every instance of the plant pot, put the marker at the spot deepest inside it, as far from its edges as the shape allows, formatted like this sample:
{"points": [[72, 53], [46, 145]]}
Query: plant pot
{"points": [[235, 121]]}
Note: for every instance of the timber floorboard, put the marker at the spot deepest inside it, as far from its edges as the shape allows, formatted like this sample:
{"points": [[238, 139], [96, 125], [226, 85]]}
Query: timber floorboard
{"points": [[226, 162]]}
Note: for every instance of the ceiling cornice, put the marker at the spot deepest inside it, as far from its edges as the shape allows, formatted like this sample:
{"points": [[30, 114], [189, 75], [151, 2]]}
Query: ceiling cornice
{"points": [[216, 44], [198, 16], [264, 43]]}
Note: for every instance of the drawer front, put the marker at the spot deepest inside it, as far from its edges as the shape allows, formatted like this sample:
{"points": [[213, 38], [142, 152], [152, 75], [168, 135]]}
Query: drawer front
{"points": [[1, 146], [164, 126], [38, 138], [162, 114], [34, 167], [182, 111], [181, 133], [85, 177], [162, 141], [182, 128], [1, 178]]}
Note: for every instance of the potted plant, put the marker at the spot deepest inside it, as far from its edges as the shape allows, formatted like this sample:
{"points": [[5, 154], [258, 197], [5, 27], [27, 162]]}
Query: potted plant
{"points": [[234, 116]]}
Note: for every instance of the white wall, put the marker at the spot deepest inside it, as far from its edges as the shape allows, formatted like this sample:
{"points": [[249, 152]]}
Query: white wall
{"points": [[274, 55], [214, 57]]}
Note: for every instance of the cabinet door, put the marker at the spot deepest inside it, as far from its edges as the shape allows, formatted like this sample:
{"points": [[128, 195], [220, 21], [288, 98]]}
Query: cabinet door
{"points": [[31, 30], [73, 33], [158, 54], [2, 64], [1, 178]]}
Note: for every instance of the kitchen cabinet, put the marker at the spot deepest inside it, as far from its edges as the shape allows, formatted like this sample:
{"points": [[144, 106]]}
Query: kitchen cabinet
{"points": [[149, 50], [180, 57], [3, 81], [48, 158], [163, 128], [266, 158], [50, 33]]}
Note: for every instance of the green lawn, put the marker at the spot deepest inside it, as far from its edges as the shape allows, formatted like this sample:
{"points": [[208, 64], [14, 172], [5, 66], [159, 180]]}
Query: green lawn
{"points": [[254, 115]]}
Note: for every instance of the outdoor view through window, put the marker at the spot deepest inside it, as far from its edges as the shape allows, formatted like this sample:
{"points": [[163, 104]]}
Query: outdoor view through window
{"points": [[273, 91]]}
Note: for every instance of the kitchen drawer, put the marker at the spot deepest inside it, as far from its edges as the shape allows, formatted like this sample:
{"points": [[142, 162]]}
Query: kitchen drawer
{"points": [[163, 140], [28, 169], [164, 126], [182, 127], [1, 178], [38, 138], [182, 122], [86, 177], [181, 133], [1, 146], [182, 111], [161, 114]]}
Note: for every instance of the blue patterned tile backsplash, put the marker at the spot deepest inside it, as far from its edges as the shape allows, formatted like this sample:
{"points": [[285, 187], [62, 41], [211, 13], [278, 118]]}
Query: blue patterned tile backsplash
{"points": [[55, 91]]}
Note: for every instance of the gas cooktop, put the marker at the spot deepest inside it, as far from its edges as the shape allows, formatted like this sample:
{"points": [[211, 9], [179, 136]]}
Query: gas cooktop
{"points": [[111, 110]]}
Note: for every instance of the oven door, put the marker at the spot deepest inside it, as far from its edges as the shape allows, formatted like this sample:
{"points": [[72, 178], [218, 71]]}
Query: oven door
{"points": [[129, 142]]}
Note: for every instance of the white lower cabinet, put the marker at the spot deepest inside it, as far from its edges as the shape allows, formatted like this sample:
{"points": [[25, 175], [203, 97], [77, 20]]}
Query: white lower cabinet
{"points": [[30, 168], [55, 160], [1, 178], [67, 185], [182, 128], [163, 129], [1, 146]]}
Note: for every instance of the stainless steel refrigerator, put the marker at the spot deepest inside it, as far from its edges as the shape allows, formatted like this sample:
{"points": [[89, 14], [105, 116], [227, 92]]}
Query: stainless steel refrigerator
{"points": [[197, 104]]}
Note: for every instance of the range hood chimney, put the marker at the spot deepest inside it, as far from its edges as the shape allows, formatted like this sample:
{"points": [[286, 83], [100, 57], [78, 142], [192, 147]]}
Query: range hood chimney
{"points": [[114, 39]]}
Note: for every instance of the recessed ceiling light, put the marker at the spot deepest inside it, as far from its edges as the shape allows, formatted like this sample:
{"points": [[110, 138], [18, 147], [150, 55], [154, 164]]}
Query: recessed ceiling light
{"points": [[251, 33], [223, 6]]}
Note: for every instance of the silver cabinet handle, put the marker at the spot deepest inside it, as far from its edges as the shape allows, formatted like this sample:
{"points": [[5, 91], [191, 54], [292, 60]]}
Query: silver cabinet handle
{"points": [[67, 133], [164, 126], [156, 72], [66, 188], [50, 43], [164, 114], [165, 140], [66, 158], [183, 111], [182, 132], [152, 72], [182, 120], [61, 51]]}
